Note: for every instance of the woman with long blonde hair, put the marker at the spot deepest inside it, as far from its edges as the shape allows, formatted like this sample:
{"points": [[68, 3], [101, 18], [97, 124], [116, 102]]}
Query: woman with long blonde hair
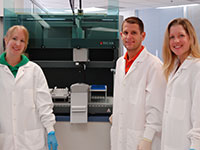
{"points": [[181, 56]]}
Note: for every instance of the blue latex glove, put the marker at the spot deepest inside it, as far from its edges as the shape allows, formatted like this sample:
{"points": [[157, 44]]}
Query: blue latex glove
{"points": [[192, 149], [51, 139]]}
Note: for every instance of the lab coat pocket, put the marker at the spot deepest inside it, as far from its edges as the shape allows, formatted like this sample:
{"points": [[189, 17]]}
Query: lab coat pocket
{"points": [[133, 138], [35, 139], [177, 108], [29, 98]]}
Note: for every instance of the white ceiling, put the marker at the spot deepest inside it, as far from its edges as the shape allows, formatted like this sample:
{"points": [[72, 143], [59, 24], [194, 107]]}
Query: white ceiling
{"points": [[123, 5]]}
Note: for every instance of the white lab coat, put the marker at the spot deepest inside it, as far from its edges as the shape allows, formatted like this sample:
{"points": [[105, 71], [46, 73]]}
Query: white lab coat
{"points": [[25, 109], [138, 102], [181, 121]]}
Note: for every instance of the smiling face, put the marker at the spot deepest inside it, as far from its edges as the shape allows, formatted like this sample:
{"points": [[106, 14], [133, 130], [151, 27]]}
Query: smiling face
{"points": [[16, 42], [179, 42], [132, 37]]}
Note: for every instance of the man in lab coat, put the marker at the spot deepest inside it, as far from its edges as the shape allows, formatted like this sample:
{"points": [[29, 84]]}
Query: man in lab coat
{"points": [[138, 93]]}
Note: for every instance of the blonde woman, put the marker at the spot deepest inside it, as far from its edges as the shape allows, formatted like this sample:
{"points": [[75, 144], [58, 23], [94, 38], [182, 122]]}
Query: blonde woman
{"points": [[181, 55], [26, 118]]}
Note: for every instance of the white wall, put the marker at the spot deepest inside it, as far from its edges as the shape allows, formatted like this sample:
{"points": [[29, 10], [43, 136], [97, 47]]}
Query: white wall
{"points": [[18, 4], [1, 8], [193, 16], [127, 13], [8, 3], [23, 6]]}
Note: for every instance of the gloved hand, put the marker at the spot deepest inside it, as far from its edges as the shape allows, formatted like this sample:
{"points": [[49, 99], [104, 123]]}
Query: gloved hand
{"points": [[192, 149], [51, 140], [144, 144]]}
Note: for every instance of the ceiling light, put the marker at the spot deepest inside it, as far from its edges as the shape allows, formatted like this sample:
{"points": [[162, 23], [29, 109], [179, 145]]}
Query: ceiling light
{"points": [[168, 7]]}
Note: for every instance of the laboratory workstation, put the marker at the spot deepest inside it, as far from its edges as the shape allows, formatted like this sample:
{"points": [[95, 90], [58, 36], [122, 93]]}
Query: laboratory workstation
{"points": [[77, 44], [77, 53]]}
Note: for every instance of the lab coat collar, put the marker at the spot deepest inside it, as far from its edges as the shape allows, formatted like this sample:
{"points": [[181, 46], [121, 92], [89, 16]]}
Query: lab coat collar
{"points": [[174, 74], [188, 61], [142, 56], [1, 65], [138, 60], [6, 69], [26, 65], [21, 71]]}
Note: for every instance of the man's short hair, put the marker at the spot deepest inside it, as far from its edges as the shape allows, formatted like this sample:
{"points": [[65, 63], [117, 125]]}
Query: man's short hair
{"points": [[134, 20]]}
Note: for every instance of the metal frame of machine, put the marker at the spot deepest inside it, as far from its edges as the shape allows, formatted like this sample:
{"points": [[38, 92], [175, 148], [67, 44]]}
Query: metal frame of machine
{"points": [[57, 42]]}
